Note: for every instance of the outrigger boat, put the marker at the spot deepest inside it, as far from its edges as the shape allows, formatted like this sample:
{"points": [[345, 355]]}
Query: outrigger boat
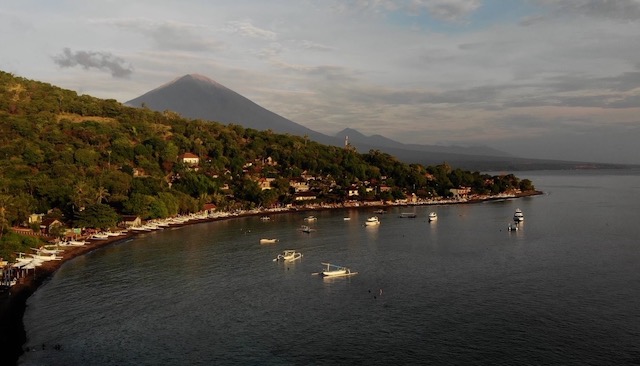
{"points": [[332, 270], [288, 256]]}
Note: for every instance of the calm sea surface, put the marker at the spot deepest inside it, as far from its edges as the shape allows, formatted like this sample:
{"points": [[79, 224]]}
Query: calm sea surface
{"points": [[563, 290]]}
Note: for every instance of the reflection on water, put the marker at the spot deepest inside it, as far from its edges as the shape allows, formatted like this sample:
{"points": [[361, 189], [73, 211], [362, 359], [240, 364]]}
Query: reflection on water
{"points": [[458, 290]]}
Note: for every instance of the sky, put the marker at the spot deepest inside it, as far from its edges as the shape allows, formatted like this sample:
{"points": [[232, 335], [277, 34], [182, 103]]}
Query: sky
{"points": [[548, 79]]}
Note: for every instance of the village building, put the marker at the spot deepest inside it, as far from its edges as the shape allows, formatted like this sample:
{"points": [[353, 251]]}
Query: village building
{"points": [[265, 183], [129, 221], [305, 196], [460, 193], [189, 159], [299, 184], [48, 226]]}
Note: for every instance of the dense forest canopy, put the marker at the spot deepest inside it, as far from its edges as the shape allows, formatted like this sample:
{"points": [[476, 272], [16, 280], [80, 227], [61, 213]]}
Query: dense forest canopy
{"points": [[82, 159]]}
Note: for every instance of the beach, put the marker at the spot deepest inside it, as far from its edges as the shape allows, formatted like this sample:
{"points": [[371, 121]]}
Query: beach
{"points": [[13, 302]]}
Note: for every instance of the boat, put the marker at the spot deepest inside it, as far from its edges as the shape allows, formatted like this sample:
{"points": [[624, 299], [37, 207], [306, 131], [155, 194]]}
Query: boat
{"points": [[265, 218], [310, 218], [518, 216], [99, 236], [372, 221], [346, 218], [380, 212], [74, 243], [332, 270], [512, 227], [409, 215], [433, 216], [268, 241], [288, 256], [306, 229]]}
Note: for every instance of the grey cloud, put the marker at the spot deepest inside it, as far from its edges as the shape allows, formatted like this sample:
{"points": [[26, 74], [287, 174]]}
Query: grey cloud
{"points": [[103, 61], [170, 35]]}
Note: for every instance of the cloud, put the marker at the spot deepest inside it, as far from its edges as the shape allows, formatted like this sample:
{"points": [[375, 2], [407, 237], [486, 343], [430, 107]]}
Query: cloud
{"points": [[245, 28], [621, 10], [444, 10], [170, 35], [103, 61], [448, 10]]}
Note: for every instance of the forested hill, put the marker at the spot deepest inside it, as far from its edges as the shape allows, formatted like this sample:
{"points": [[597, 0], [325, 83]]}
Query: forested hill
{"points": [[88, 160]]}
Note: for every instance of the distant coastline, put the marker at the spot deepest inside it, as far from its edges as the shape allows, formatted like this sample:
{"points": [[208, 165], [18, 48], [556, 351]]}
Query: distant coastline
{"points": [[13, 301]]}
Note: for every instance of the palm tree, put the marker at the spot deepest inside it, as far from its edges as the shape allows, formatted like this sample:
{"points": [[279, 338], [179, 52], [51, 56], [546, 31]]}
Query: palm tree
{"points": [[102, 194]]}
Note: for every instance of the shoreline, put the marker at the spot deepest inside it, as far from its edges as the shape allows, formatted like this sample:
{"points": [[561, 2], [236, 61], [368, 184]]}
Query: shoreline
{"points": [[13, 301]]}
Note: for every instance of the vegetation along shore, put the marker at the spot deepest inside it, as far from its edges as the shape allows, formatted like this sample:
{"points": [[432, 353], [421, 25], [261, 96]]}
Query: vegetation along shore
{"points": [[74, 168]]}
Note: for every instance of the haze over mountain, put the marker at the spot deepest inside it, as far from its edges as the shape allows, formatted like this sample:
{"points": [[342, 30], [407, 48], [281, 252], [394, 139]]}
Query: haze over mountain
{"points": [[196, 96]]}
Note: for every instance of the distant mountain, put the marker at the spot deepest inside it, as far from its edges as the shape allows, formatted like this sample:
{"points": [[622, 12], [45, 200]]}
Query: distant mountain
{"points": [[358, 139], [196, 96]]}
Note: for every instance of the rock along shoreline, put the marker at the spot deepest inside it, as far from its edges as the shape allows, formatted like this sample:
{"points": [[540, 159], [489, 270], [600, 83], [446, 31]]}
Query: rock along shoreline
{"points": [[13, 301]]}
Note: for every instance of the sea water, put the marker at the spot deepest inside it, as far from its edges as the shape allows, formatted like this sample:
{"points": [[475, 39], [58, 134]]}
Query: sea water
{"points": [[563, 289]]}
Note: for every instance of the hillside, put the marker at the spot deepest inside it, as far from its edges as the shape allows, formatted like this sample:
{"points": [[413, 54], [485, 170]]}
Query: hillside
{"points": [[89, 160]]}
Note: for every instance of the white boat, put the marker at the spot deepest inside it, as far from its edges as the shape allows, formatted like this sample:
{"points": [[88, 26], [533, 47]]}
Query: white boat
{"points": [[346, 218], [265, 218], [518, 216], [74, 243], [288, 256], [372, 221], [310, 218], [306, 229], [99, 236], [512, 227], [433, 216], [332, 270], [268, 241], [409, 215]]}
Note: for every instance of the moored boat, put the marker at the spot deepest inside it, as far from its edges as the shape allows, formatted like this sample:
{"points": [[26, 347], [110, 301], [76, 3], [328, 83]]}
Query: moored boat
{"points": [[410, 215], [306, 229], [268, 241], [372, 221], [518, 216], [288, 256], [332, 270], [433, 216]]}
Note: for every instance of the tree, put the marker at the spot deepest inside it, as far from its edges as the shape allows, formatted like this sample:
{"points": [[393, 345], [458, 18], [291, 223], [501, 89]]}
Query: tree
{"points": [[97, 215]]}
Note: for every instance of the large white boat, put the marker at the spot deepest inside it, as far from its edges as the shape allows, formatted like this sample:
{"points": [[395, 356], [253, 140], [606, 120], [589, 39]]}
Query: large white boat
{"points": [[518, 216], [433, 216], [372, 221], [332, 270], [288, 256]]}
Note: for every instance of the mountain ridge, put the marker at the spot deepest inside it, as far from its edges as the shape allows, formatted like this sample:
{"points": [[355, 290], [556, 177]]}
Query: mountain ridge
{"points": [[199, 97]]}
